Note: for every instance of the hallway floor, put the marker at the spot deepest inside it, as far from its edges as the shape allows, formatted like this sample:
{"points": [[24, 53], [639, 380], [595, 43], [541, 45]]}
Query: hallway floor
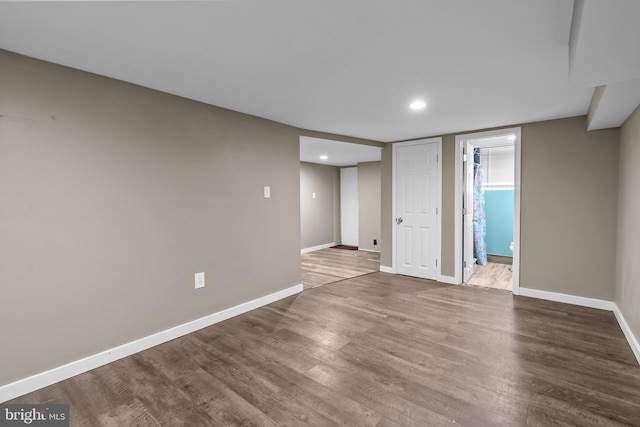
{"points": [[334, 264], [492, 275]]}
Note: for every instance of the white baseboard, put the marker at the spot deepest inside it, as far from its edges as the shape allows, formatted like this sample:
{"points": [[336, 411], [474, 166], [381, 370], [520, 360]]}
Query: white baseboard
{"points": [[386, 269], [368, 250], [451, 280], [317, 248], [592, 303], [626, 330], [43, 379], [568, 299]]}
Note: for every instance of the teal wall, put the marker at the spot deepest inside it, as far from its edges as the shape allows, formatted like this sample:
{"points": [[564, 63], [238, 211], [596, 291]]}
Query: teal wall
{"points": [[499, 205]]}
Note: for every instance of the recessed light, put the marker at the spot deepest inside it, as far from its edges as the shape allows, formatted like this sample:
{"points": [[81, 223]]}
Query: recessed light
{"points": [[324, 157], [417, 105]]}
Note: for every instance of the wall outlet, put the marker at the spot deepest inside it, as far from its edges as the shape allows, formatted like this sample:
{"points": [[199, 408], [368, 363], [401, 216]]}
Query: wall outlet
{"points": [[199, 280], [375, 241], [267, 192]]}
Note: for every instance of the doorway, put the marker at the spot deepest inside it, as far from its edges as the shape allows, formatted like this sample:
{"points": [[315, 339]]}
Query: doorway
{"points": [[487, 206]]}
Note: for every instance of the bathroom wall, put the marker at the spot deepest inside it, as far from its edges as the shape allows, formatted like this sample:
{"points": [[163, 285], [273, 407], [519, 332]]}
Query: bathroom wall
{"points": [[498, 167]]}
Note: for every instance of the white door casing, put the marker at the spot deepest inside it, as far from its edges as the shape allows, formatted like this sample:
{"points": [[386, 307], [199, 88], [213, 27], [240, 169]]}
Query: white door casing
{"points": [[416, 208], [467, 213], [461, 141]]}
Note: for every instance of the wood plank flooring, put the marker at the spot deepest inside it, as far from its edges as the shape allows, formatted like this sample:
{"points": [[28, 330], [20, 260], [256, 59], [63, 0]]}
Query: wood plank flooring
{"points": [[492, 275], [374, 350], [334, 264]]}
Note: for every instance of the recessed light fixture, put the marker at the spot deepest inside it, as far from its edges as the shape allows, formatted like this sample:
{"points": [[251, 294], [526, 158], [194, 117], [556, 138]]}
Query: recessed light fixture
{"points": [[324, 157], [417, 105], [511, 137]]}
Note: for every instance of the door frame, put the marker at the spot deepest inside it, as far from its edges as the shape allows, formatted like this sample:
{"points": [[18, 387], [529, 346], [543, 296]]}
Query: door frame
{"points": [[458, 223], [394, 169]]}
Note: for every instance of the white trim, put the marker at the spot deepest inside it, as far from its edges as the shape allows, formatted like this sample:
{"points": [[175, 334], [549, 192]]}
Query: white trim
{"points": [[568, 299], [317, 248], [460, 140], [386, 269], [626, 330], [515, 267], [457, 212], [591, 303], [438, 237], [44, 379], [448, 279], [369, 250]]}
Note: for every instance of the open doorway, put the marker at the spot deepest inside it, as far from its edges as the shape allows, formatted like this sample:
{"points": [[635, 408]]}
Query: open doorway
{"points": [[340, 191], [488, 207]]}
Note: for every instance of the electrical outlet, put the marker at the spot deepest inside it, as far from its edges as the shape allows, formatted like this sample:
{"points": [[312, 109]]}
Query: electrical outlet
{"points": [[267, 192], [199, 280], [375, 241]]}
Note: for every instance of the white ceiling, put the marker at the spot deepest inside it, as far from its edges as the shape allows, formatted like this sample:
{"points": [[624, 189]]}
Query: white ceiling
{"points": [[604, 52], [338, 153], [345, 67]]}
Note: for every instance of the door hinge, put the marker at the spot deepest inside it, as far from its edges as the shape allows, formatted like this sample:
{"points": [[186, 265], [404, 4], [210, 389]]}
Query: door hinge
{"points": [[436, 211], [436, 262], [464, 157], [464, 211], [464, 264]]}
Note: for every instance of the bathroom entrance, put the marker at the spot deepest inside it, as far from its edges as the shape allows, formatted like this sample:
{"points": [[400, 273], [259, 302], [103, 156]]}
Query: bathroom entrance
{"points": [[489, 200]]}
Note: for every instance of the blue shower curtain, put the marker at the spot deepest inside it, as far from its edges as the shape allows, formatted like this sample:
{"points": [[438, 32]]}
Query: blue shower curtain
{"points": [[479, 219]]}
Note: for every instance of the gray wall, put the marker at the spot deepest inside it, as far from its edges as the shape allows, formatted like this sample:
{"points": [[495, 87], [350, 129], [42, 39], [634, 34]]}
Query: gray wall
{"points": [[628, 253], [369, 205], [319, 217], [569, 207], [114, 195]]}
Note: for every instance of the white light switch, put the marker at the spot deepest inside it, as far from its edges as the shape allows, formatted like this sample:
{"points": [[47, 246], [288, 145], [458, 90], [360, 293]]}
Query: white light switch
{"points": [[199, 280], [267, 192], [313, 195]]}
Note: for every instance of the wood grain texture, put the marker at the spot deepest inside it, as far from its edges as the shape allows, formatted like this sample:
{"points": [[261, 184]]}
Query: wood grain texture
{"points": [[492, 275], [375, 350], [335, 264]]}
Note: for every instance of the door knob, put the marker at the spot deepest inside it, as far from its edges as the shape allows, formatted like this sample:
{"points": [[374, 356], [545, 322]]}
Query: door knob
{"points": [[399, 221]]}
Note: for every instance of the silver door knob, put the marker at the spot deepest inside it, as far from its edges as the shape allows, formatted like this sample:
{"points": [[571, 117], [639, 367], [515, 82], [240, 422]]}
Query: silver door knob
{"points": [[399, 221]]}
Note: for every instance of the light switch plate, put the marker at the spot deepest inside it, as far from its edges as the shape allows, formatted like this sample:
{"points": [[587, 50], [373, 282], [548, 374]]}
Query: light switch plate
{"points": [[199, 280], [267, 192]]}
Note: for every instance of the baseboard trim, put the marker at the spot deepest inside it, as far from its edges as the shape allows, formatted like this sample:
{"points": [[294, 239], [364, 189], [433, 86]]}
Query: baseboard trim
{"points": [[448, 279], [44, 379], [591, 303], [386, 269], [369, 250], [628, 334], [317, 248], [568, 299]]}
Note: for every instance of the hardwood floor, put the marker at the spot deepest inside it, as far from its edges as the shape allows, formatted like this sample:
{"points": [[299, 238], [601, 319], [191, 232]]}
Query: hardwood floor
{"points": [[492, 275], [334, 264], [374, 350]]}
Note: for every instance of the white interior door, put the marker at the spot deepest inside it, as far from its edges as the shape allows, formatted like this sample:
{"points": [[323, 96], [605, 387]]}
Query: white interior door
{"points": [[349, 206], [417, 232], [467, 213]]}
